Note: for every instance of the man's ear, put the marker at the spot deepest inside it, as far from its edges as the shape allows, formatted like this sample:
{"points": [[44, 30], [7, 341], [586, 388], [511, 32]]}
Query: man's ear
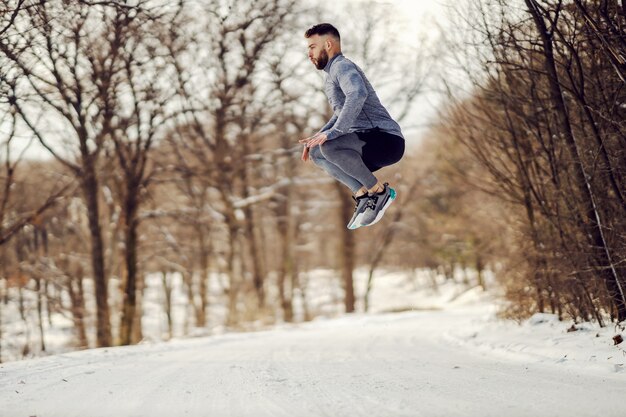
{"points": [[328, 44]]}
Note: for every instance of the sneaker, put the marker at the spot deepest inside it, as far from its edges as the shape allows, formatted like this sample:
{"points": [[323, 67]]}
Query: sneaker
{"points": [[376, 206], [359, 211]]}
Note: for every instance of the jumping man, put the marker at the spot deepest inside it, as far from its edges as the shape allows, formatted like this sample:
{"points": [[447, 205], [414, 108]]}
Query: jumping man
{"points": [[361, 137]]}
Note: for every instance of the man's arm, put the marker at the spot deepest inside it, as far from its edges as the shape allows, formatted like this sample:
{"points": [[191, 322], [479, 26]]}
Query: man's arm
{"points": [[353, 86]]}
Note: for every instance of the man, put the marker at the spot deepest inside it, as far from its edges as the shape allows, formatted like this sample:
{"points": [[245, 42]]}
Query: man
{"points": [[360, 138]]}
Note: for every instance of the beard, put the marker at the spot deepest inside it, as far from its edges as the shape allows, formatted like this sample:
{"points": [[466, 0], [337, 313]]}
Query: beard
{"points": [[321, 61]]}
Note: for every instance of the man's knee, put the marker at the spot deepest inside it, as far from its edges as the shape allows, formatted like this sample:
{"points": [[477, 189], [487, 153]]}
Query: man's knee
{"points": [[315, 154]]}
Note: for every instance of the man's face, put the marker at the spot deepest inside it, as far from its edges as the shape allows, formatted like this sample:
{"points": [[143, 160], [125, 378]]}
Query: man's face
{"points": [[317, 51]]}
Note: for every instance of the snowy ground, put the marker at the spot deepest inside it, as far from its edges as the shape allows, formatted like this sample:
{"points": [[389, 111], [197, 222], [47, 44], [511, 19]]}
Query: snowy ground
{"points": [[453, 359]]}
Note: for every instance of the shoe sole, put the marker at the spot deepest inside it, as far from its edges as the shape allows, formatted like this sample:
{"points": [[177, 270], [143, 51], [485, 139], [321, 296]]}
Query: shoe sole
{"points": [[381, 213], [357, 222]]}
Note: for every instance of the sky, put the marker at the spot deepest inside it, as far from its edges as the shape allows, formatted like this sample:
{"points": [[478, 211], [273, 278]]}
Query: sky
{"points": [[417, 13]]}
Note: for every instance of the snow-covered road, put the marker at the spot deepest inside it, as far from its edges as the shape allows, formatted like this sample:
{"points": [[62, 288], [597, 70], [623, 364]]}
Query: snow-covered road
{"points": [[419, 363]]}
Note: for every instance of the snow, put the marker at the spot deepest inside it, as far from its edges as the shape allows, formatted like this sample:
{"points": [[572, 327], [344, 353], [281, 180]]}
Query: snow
{"points": [[447, 355]]}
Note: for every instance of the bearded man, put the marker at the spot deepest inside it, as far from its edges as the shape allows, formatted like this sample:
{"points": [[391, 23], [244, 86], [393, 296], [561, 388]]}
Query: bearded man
{"points": [[360, 138]]}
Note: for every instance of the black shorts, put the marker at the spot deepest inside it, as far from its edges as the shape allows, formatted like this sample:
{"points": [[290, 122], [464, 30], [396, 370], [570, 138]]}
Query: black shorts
{"points": [[381, 149]]}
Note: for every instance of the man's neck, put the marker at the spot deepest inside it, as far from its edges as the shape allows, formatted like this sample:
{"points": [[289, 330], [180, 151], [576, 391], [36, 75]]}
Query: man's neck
{"points": [[330, 59], [333, 54]]}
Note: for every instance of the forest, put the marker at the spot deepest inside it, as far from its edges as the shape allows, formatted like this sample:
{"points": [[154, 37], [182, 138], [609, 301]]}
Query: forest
{"points": [[168, 134]]}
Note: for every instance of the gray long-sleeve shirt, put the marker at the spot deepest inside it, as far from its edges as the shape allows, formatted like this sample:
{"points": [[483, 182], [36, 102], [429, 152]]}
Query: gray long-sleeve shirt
{"points": [[353, 100]]}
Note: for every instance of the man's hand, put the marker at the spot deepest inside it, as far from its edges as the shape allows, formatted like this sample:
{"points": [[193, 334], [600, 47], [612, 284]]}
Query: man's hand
{"points": [[305, 154], [313, 141]]}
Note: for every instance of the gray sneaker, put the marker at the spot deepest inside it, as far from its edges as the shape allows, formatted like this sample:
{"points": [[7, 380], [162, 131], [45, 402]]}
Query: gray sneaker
{"points": [[359, 211], [376, 206]]}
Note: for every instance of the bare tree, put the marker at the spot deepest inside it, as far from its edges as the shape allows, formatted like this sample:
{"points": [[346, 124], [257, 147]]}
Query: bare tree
{"points": [[56, 75], [593, 219], [542, 125], [9, 12], [141, 116], [74, 59], [223, 128]]}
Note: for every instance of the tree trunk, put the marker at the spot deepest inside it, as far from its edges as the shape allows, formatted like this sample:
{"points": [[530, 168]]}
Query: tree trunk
{"points": [[233, 280], [201, 311], [130, 260], [255, 254], [137, 333], [347, 248], [167, 290], [51, 301], [90, 190], [286, 267], [40, 315], [480, 266], [39, 251], [187, 278], [77, 299], [251, 238], [386, 239], [285, 270]]}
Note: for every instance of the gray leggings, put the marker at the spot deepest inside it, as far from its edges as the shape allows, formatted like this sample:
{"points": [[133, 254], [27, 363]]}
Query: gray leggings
{"points": [[353, 157]]}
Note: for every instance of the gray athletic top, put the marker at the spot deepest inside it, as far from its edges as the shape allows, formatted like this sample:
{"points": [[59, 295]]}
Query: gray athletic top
{"points": [[353, 100]]}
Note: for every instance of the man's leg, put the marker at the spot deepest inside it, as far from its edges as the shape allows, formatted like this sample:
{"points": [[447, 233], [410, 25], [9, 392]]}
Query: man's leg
{"points": [[345, 152], [336, 172], [339, 174], [381, 149], [343, 159]]}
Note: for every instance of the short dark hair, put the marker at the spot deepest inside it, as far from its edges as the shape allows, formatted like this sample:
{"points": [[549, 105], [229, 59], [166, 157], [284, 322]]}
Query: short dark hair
{"points": [[322, 29]]}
